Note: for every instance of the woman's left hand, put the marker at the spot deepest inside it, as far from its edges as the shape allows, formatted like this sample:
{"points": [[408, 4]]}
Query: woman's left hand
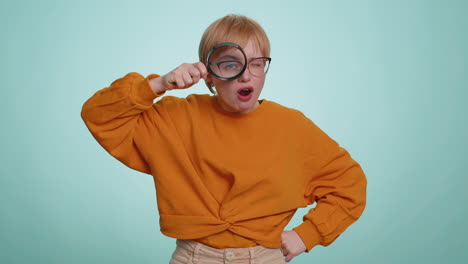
{"points": [[292, 244]]}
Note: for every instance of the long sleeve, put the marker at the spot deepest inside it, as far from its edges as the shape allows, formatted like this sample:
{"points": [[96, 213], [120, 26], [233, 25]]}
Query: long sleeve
{"points": [[338, 186], [115, 113]]}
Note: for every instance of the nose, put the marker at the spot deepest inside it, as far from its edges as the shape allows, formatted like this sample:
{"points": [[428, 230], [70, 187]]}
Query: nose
{"points": [[245, 77]]}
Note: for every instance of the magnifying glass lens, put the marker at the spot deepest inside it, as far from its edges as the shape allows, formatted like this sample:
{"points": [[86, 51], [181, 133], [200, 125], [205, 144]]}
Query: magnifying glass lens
{"points": [[226, 62]]}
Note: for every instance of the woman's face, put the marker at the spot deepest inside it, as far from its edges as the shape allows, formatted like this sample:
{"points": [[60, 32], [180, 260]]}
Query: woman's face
{"points": [[229, 92]]}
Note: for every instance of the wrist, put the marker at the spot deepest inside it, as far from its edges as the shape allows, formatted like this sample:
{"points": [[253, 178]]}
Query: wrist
{"points": [[156, 84], [309, 234]]}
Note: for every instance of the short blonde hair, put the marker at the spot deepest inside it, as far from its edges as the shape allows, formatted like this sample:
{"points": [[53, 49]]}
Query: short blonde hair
{"points": [[232, 28]]}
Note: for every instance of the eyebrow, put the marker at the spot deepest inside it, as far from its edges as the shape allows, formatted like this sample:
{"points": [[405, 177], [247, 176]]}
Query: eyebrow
{"points": [[227, 56]]}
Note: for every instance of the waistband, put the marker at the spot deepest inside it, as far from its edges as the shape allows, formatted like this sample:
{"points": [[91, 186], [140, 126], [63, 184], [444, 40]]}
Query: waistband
{"points": [[228, 254]]}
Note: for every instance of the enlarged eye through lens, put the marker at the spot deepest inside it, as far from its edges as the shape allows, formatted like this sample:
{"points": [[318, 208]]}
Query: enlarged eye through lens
{"points": [[226, 61], [230, 68]]}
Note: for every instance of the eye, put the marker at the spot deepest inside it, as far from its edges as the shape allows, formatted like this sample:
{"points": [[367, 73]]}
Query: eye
{"points": [[230, 65], [257, 63]]}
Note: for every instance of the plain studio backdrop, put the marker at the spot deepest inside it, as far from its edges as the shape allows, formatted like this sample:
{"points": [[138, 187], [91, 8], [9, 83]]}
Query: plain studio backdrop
{"points": [[385, 79]]}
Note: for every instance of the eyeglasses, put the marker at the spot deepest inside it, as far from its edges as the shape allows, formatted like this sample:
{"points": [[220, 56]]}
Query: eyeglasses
{"points": [[257, 66], [227, 61]]}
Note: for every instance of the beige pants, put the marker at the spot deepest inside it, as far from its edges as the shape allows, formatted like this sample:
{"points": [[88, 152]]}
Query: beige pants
{"points": [[191, 252]]}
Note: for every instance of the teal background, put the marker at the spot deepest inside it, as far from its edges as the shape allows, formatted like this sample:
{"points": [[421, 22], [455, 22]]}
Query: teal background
{"points": [[386, 79]]}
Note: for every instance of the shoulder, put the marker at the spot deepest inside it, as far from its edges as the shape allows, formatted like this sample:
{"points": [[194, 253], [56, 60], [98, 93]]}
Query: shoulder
{"points": [[190, 99], [198, 98], [189, 103], [297, 120], [289, 113]]}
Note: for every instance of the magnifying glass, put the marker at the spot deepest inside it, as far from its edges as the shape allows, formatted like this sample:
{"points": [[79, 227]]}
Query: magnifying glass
{"points": [[226, 61]]}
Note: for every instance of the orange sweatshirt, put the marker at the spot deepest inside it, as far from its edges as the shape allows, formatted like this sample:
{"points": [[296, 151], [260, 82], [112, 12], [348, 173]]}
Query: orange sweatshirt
{"points": [[229, 179]]}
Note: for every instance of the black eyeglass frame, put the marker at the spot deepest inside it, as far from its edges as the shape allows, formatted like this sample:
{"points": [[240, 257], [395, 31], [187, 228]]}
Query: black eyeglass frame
{"points": [[252, 59]]}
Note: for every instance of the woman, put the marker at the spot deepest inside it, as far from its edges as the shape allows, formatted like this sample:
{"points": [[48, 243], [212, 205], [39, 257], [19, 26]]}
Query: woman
{"points": [[230, 170]]}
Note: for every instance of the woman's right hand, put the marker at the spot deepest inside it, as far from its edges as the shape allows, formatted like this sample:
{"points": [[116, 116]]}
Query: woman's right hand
{"points": [[182, 77]]}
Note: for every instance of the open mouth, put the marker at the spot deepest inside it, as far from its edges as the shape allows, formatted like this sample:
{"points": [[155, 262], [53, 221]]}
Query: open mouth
{"points": [[245, 91]]}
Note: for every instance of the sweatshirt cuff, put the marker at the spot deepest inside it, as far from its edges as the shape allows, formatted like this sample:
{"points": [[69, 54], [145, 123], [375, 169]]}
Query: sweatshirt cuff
{"points": [[143, 92], [309, 234]]}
